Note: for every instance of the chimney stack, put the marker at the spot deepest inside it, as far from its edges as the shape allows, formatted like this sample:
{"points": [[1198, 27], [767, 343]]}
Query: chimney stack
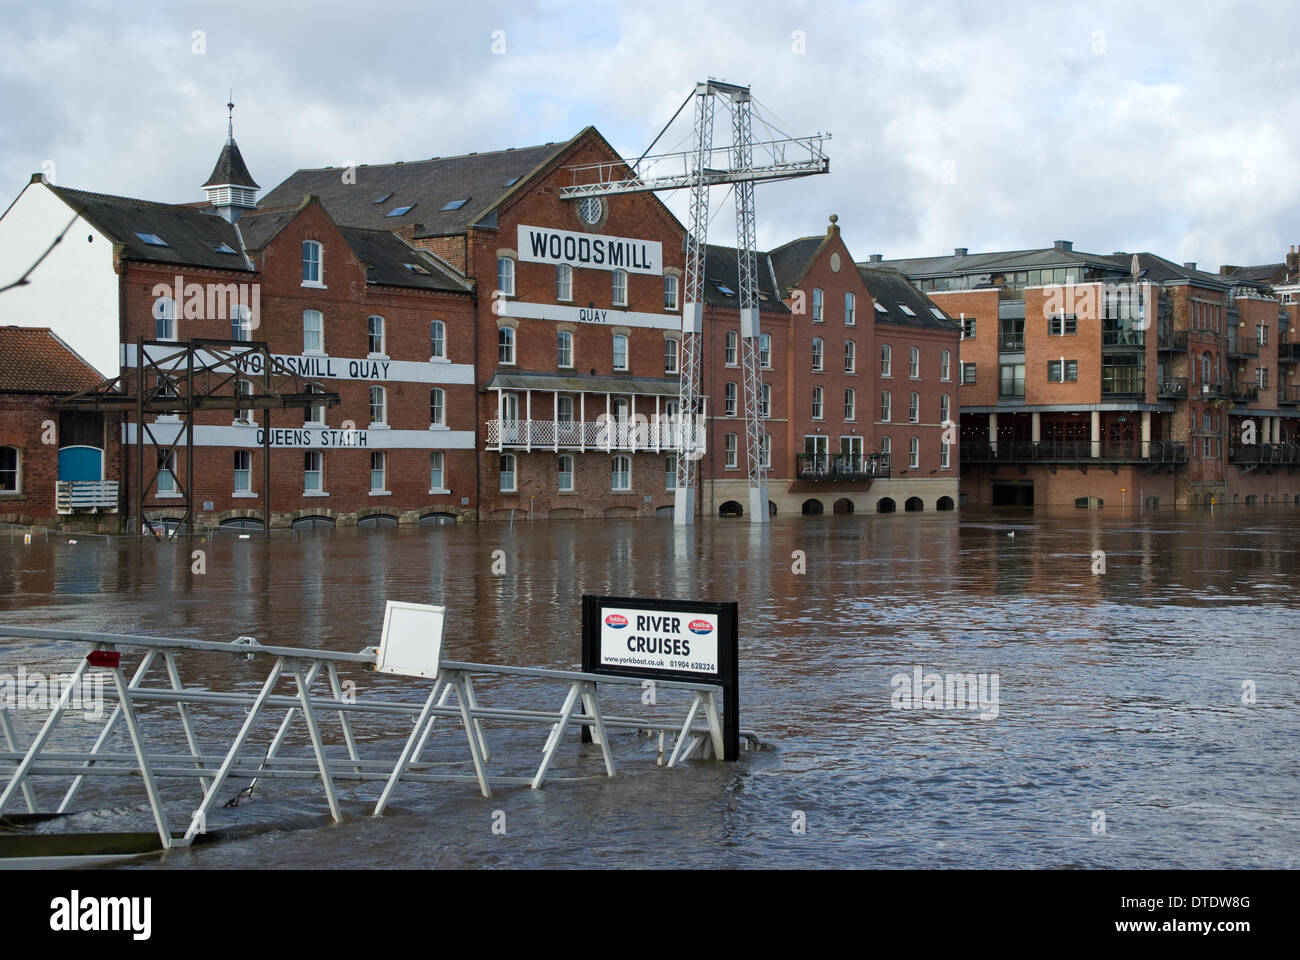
{"points": [[1189, 265], [1065, 246], [877, 257], [959, 251]]}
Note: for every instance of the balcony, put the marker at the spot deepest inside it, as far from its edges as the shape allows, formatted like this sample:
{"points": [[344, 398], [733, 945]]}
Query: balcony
{"points": [[1264, 454], [1173, 388], [841, 467], [635, 435], [1289, 396], [1209, 391], [85, 496], [1288, 353], [1244, 393], [1011, 343], [1172, 340], [1124, 338], [1073, 451], [1242, 347]]}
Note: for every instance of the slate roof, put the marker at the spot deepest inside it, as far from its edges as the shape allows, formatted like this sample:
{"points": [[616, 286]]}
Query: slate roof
{"points": [[387, 255], [569, 383], [230, 169], [191, 233], [917, 267], [790, 260], [484, 180], [35, 360], [722, 267], [1159, 270], [891, 289], [1269, 273]]}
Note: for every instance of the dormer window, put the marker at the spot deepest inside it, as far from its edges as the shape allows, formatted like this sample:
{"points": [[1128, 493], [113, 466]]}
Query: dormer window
{"points": [[152, 239]]}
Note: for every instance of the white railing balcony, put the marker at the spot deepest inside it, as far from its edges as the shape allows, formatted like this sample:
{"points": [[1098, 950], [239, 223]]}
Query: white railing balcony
{"points": [[635, 435], [72, 496]]}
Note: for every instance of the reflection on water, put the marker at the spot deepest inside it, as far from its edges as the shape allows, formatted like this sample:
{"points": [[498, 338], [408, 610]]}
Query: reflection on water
{"points": [[1119, 692]]}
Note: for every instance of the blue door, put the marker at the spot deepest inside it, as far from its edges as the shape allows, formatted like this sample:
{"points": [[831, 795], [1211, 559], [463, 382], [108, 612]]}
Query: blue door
{"points": [[81, 463]]}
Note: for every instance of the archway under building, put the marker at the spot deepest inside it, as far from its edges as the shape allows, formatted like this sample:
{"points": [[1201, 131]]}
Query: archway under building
{"points": [[843, 505], [437, 519], [944, 503], [812, 508], [240, 525], [914, 505], [1013, 494], [731, 508], [886, 505], [377, 520], [314, 523]]}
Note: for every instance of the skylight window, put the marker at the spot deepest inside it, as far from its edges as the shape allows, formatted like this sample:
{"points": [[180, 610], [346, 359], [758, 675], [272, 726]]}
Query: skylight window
{"points": [[938, 314], [399, 211], [220, 246], [383, 198], [455, 204], [881, 308], [724, 288], [152, 239], [906, 309], [511, 182], [416, 268]]}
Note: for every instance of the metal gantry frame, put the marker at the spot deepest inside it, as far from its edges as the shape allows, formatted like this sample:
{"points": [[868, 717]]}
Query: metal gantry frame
{"points": [[184, 758], [700, 168], [180, 378]]}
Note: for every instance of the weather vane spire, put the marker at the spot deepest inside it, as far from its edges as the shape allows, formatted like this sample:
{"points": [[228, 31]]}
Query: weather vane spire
{"points": [[230, 116]]}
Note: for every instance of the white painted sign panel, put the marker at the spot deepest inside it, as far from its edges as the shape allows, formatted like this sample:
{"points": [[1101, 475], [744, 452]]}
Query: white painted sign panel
{"points": [[320, 367], [594, 251], [310, 438], [560, 313], [660, 639], [411, 644]]}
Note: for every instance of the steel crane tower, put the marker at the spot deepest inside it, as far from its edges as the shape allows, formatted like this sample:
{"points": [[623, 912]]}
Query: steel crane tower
{"points": [[785, 159]]}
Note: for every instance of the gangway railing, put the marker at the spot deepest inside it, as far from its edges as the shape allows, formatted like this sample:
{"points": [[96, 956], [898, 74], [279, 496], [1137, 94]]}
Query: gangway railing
{"points": [[182, 757]]}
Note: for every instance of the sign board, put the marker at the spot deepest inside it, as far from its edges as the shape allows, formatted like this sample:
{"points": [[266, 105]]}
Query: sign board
{"points": [[411, 644], [654, 639], [597, 252]]}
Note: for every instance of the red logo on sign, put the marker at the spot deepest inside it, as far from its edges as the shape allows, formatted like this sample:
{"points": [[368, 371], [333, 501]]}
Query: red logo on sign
{"points": [[616, 620], [701, 627]]}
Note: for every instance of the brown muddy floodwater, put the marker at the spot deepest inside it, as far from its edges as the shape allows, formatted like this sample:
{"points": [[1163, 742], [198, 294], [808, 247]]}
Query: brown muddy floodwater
{"points": [[1120, 694]]}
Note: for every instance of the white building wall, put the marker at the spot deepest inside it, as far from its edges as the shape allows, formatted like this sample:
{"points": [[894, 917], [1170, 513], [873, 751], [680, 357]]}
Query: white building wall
{"points": [[74, 291]]}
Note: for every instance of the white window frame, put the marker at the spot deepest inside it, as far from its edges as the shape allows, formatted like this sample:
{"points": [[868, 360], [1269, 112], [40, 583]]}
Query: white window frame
{"points": [[818, 304], [244, 474], [318, 458], [886, 406], [511, 473], [561, 473], [620, 337], [765, 351], [371, 327], [382, 471], [164, 312], [886, 360], [914, 363], [729, 399], [318, 262], [765, 402], [505, 346], [307, 331], [671, 350], [730, 451], [817, 401], [618, 293], [850, 357], [438, 463], [914, 453], [670, 472], [506, 276], [437, 407], [850, 404], [818, 354], [671, 292], [382, 419], [564, 349], [730, 343], [850, 309], [615, 474], [914, 407], [437, 340], [18, 469], [166, 483], [563, 283], [945, 365]]}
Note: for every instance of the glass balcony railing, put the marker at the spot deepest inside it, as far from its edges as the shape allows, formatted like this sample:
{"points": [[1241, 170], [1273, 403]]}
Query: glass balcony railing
{"points": [[843, 467]]}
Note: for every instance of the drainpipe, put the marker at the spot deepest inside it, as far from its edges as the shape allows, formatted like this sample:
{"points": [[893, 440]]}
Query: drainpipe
{"points": [[122, 499]]}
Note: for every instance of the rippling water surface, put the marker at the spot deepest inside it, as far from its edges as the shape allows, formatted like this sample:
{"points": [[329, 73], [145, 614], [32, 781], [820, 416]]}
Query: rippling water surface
{"points": [[1120, 694]]}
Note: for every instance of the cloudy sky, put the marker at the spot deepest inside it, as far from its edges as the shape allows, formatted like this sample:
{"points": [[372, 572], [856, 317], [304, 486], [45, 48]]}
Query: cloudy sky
{"points": [[1167, 127]]}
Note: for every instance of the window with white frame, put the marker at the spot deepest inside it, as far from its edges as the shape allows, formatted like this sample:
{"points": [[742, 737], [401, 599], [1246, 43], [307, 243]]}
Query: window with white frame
{"points": [[944, 462], [914, 408], [729, 350], [315, 411], [506, 345], [10, 472], [729, 450], [968, 373], [670, 473], [243, 390], [886, 446], [313, 472], [506, 467], [620, 352], [313, 332], [850, 309], [375, 325], [437, 464], [914, 363], [378, 472], [1261, 377], [817, 353], [817, 403], [166, 471], [563, 282], [564, 474], [564, 349], [945, 365], [164, 318], [913, 453], [437, 340], [886, 360], [564, 409], [817, 305], [729, 399], [620, 288], [850, 356], [670, 292], [670, 356], [437, 407], [378, 405], [311, 263], [849, 403], [506, 276], [243, 471], [765, 351], [765, 450], [945, 407], [886, 405], [241, 323], [620, 473], [765, 401]]}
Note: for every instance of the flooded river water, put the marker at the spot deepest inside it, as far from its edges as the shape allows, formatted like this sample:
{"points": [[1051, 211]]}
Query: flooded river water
{"points": [[1157, 698]]}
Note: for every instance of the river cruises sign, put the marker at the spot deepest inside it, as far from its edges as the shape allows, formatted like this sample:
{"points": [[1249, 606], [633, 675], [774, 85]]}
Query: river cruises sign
{"points": [[596, 252], [653, 639]]}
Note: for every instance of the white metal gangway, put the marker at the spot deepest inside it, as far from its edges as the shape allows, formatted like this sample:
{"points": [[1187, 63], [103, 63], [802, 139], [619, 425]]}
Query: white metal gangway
{"points": [[698, 169], [158, 753]]}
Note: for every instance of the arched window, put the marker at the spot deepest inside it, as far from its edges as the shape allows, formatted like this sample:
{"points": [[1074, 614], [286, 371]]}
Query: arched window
{"points": [[506, 345], [564, 409], [436, 472], [620, 288], [621, 473], [729, 399], [243, 472], [164, 318], [817, 305], [378, 405], [620, 352], [670, 356], [886, 360], [564, 349], [506, 465], [563, 282], [437, 408], [850, 356], [729, 350], [670, 292], [10, 475], [1205, 367], [313, 472], [437, 340], [850, 309], [377, 342], [313, 332], [506, 276], [765, 351], [565, 473], [817, 353], [311, 263]]}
